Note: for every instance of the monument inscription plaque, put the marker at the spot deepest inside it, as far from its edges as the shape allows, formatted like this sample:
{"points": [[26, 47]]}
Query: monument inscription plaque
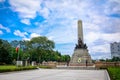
{"points": [[80, 57]]}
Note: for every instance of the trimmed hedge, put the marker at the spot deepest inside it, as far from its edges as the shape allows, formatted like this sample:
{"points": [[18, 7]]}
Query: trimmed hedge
{"points": [[114, 73], [14, 68]]}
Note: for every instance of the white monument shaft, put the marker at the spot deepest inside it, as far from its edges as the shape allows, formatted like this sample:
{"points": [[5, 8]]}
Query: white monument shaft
{"points": [[80, 30]]}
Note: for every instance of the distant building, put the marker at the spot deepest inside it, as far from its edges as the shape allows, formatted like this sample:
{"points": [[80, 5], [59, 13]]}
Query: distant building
{"points": [[115, 49]]}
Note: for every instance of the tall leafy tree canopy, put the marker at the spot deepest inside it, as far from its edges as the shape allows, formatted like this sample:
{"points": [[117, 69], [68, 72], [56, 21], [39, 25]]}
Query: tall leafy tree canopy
{"points": [[37, 49]]}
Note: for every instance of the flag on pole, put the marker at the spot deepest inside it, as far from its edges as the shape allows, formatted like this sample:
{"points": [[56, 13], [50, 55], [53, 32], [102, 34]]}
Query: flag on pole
{"points": [[17, 48]]}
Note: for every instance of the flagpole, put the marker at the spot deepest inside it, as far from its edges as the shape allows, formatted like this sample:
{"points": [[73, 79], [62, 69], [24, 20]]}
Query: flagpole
{"points": [[17, 50], [18, 55], [17, 58]]}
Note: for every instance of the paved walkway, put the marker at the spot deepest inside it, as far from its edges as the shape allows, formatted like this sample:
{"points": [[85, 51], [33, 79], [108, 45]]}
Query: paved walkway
{"points": [[55, 74]]}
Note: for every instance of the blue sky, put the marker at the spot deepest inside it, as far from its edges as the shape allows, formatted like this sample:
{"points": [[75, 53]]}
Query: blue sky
{"points": [[57, 19]]}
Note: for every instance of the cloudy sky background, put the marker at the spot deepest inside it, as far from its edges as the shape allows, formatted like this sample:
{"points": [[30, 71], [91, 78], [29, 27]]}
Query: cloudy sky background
{"points": [[57, 19]]}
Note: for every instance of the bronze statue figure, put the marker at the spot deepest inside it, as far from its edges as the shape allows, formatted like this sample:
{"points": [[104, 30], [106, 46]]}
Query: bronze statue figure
{"points": [[80, 44]]}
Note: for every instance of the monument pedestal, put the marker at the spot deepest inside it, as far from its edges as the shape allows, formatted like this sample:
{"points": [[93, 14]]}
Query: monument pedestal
{"points": [[81, 57]]}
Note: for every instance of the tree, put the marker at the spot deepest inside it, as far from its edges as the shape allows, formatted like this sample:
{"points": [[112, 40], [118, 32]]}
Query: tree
{"points": [[67, 58], [37, 49], [5, 56], [115, 59], [14, 43], [42, 46]]}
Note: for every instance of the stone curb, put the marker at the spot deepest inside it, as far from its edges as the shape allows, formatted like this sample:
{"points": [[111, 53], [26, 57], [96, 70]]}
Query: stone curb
{"points": [[107, 77]]}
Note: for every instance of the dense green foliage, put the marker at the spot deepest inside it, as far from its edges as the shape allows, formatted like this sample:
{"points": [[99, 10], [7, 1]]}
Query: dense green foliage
{"points": [[38, 49], [5, 55], [114, 59], [114, 73], [14, 68]]}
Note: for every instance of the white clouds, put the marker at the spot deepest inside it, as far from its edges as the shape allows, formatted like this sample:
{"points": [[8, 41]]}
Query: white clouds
{"points": [[26, 9], [26, 21], [19, 33], [34, 35], [112, 7], [91, 37], [101, 49], [96, 23], [24, 35], [1, 32], [90, 27], [111, 37], [31, 36], [2, 0], [4, 28], [63, 34], [44, 12], [61, 20]]}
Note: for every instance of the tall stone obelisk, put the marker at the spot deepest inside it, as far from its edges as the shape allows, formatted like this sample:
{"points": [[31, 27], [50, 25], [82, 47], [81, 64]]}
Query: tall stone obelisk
{"points": [[80, 57], [80, 30]]}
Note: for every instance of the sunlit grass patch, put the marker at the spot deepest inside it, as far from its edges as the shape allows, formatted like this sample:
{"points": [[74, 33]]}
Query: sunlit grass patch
{"points": [[8, 68]]}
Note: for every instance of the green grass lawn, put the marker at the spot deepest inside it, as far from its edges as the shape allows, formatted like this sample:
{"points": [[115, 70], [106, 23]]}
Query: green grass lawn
{"points": [[114, 73], [9, 68]]}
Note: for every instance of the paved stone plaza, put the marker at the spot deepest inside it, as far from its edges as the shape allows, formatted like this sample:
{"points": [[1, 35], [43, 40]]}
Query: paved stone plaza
{"points": [[55, 74]]}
